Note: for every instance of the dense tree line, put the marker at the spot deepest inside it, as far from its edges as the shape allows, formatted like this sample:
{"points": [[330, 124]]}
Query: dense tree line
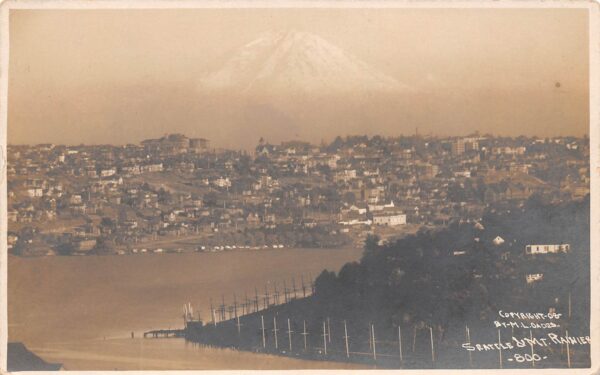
{"points": [[419, 280]]}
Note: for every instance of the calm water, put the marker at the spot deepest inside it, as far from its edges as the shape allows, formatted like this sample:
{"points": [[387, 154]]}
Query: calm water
{"points": [[81, 311]]}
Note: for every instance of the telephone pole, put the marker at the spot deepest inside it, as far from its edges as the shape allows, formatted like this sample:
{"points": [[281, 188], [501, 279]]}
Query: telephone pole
{"points": [[304, 333], [289, 332], [324, 338], [262, 322], [346, 340], [373, 342], [275, 331], [400, 342]]}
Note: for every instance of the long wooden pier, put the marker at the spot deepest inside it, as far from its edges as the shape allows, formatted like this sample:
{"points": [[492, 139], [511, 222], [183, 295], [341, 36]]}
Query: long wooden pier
{"points": [[164, 333]]}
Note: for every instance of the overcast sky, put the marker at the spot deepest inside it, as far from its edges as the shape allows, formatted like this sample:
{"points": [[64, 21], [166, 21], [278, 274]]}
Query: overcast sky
{"points": [[119, 76]]}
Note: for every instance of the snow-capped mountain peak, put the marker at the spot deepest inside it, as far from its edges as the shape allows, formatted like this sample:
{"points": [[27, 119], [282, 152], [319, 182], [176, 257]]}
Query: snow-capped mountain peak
{"points": [[295, 61]]}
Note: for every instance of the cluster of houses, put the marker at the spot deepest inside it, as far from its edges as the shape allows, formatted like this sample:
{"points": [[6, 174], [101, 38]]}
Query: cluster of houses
{"points": [[532, 278], [497, 244], [89, 197]]}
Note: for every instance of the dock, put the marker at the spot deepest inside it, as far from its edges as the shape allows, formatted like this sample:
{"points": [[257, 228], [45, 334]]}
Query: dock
{"points": [[165, 333]]}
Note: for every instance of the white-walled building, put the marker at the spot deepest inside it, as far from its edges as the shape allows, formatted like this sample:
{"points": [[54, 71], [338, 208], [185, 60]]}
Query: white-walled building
{"points": [[547, 249], [389, 219], [534, 277], [498, 241]]}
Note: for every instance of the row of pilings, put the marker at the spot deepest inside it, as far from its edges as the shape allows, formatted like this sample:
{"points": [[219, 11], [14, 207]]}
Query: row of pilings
{"points": [[288, 330]]}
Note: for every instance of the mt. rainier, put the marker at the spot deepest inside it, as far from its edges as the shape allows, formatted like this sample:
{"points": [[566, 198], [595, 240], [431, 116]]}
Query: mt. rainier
{"points": [[296, 61]]}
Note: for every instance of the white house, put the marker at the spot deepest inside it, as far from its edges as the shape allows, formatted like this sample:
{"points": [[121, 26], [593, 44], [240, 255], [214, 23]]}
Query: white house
{"points": [[547, 249], [35, 192], [498, 241], [222, 182], [75, 199], [108, 172], [389, 219], [356, 222], [534, 277], [158, 167], [380, 207], [358, 208]]}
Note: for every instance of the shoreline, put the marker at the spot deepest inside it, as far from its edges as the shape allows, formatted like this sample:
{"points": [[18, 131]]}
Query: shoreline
{"points": [[147, 253], [172, 354]]}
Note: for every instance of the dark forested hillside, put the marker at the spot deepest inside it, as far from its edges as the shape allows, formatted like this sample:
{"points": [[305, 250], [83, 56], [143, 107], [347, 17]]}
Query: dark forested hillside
{"points": [[419, 277], [437, 290], [459, 276]]}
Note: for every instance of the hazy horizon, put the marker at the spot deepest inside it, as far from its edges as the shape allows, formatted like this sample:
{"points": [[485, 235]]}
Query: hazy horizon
{"points": [[235, 75]]}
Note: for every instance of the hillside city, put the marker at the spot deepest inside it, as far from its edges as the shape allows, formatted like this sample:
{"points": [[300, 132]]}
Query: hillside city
{"points": [[178, 194]]}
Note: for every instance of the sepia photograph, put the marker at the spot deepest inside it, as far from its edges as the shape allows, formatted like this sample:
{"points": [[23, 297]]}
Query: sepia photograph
{"points": [[313, 185]]}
